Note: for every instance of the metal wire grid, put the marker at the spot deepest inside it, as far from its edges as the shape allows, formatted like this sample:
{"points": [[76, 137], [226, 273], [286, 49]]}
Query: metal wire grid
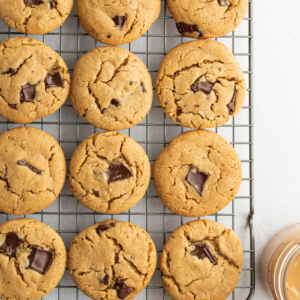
{"points": [[68, 217]]}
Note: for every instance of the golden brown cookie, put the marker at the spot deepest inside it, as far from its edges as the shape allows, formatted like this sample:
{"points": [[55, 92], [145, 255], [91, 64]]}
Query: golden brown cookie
{"points": [[109, 172], [207, 19], [112, 260], [32, 259], [32, 170], [34, 80], [111, 88], [197, 174], [201, 260], [35, 16], [200, 84], [117, 22]]}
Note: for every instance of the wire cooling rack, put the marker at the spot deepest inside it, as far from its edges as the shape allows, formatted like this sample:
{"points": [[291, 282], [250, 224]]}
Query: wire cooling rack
{"points": [[68, 217]]}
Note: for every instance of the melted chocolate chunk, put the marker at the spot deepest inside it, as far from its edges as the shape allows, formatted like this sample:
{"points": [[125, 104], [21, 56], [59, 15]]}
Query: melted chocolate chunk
{"points": [[30, 167], [52, 5], [120, 21], [123, 290], [40, 260], [143, 87], [197, 180], [231, 104], [190, 28], [34, 2], [54, 80], [117, 173], [10, 71], [202, 251], [27, 93], [13, 106], [204, 87], [223, 3], [104, 227], [11, 243], [115, 102], [105, 279], [96, 193]]}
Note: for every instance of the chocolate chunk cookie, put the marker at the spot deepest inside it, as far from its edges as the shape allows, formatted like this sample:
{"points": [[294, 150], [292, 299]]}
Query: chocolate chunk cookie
{"points": [[32, 170], [117, 22], [200, 84], [32, 259], [112, 260], [111, 88], [109, 173], [201, 260], [34, 80], [197, 174], [35, 16], [207, 19]]}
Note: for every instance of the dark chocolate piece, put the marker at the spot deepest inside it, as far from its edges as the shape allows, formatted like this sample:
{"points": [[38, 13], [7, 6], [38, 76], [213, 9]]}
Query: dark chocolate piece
{"points": [[10, 71], [117, 173], [52, 5], [202, 251], [13, 106], [190, 28], [96, 193], [25, 164], [115, 102], [204, 87], [105, 279], [197, 179], [223, 3], [27, 93], [104, 227], [143, 87], [34, 2], [120, 21], [11, 243], [231, 104], [123, 290], [40, 260], [54, 80]]}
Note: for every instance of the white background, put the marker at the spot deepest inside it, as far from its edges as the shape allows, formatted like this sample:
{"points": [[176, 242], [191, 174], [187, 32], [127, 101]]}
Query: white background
{"points": [[277, 129]]}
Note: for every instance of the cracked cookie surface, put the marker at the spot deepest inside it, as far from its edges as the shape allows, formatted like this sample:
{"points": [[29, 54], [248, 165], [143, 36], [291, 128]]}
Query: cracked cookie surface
{"points": [[207, 18], [35, 16], [34, 80], [109, 172], [112, 260], [201, 260], [200, 84], [111, 88], [32, 170], [32, 259], [197, 174], [117, 22]]}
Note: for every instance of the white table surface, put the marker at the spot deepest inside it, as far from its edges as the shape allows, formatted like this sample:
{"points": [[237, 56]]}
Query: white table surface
{"points": [[277, 106]]}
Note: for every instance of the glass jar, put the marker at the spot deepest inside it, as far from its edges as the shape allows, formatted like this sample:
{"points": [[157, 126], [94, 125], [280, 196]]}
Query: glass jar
{"points": [[287, 247]]}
